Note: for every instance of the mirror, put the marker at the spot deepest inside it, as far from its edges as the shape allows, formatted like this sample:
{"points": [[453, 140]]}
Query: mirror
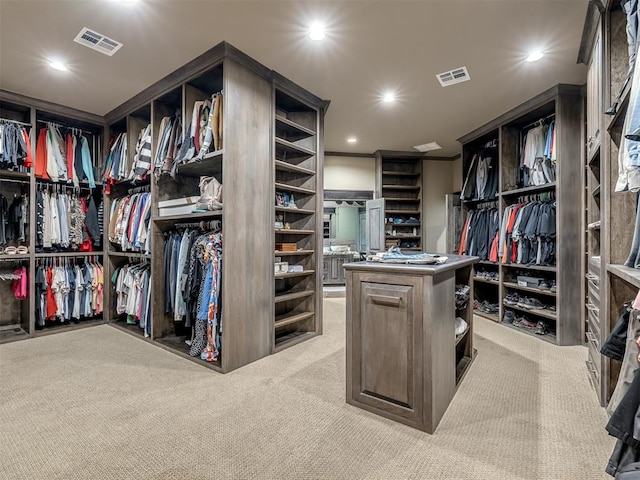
{"points": [[344, 224]]}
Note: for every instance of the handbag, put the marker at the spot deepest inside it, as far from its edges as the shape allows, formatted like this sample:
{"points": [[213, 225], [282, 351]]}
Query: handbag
{"points": [[210, 194]]}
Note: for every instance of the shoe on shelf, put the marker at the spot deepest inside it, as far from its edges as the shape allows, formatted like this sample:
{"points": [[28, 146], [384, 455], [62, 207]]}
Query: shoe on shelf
{"points": [[493, 276], [544, 285], [531, 303], [511, 299], [397, 221], [541, 328], [460, 326], [476, 305], [412, 220], [524, 322], [551, 308], [522, 302], [508, 317], [553, 288], [493, 308]]}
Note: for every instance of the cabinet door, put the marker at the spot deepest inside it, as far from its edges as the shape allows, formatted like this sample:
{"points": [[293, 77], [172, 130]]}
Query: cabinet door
{"points": [[375, 225], [385, 363], [594, 97]]}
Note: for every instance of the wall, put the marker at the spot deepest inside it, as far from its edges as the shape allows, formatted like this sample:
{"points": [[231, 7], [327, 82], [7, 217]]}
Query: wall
{"points": [[349, 173], [457, 175], [437, 180]]}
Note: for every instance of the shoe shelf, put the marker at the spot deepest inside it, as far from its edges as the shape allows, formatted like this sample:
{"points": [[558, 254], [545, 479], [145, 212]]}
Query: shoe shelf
{"points": [[291, 318], [621, 110], [301, 211], [542, 268], [130, 255], [529, 190], [291, 148], [280, 253], [547, 337], [515, 286], [395, 237], [210, 165], [291, 188], [487, 262], [285, 297], [462, 336], [289, 167], [486, 280], [462, 368], [534, 311], [400, 212], [304, 273], [288, 129], [490, 316], [628, 274], [402, 199], [293, 338]]}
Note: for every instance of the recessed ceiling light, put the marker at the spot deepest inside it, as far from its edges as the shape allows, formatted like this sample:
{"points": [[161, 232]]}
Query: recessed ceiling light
{"points": [[428, 147], [535, 56], [317, 32], [57, 65], [352, 140], [389, 97]]}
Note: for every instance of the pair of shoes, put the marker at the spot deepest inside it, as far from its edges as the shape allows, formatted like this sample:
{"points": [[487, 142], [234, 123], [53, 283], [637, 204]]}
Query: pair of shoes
{"points": [[460, 326], [508, 317], [524, 322], [511, 299], [412, 220], [532, 303], [553, 288], [487, 307], [544, 285]]}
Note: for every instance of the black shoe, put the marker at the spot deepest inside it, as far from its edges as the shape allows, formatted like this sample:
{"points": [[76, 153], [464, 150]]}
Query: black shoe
{"points": [[508, 317]]}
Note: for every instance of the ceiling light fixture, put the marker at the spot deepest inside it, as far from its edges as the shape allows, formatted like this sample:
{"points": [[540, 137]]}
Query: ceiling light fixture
{"points": [[317, 32], [57, 65], [389, 97], [535, 56], [352, 140]]}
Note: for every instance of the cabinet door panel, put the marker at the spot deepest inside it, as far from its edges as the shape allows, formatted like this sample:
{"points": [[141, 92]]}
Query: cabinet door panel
{"points": [[388, 372]]}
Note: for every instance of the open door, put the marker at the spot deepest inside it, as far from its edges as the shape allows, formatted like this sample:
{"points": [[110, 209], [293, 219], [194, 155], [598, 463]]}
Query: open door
{"points": [[375, 226]]}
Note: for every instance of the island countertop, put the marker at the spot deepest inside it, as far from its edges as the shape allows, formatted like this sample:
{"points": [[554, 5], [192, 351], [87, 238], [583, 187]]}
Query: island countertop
{"points": [[454, 262]]}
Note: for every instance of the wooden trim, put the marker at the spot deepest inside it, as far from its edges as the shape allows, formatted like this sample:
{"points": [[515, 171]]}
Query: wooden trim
{"points": [[330, 195], [591, 26], [372, 155], [282, 83], [54, 108], [539, 100]]}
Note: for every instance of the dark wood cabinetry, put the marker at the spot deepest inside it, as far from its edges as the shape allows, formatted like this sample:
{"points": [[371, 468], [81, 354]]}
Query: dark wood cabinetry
{"points": [[404, 361]]}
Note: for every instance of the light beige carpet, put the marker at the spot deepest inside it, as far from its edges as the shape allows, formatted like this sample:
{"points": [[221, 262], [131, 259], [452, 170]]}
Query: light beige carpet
{"points": [[101, 404]]}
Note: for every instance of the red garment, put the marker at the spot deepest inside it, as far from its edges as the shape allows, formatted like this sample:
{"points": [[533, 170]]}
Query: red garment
{"points": [[463, 236], [41, 154], [493, 253], [28, 160], [52, 306], [87, 245]]}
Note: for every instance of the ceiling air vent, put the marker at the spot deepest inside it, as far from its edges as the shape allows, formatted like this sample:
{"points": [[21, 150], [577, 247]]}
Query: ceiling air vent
{"points": [[97, 41], [457, 75]]}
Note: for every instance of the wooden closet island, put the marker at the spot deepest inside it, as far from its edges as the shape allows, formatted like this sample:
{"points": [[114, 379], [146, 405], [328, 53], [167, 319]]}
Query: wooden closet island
{"points": [[404, 360]]}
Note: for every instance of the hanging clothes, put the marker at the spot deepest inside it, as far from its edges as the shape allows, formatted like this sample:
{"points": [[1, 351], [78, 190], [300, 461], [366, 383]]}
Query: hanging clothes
{"points": [[479, 235], [63, 157], [132, 287], [538, 155], [129, 223], [481, 181], [15, 146]]}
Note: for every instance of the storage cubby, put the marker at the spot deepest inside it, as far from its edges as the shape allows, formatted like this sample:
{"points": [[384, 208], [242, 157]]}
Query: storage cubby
{"points": [[552, 193]]}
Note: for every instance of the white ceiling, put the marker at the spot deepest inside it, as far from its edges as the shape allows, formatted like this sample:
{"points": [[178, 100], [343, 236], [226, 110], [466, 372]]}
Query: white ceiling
{"points": [[371, 46]]}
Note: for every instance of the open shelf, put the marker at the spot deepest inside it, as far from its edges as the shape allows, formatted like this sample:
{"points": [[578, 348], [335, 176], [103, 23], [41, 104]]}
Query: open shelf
{"points": [[280, 253], [542, 268], [186, 217], [534, 311], [622, 108], [628, 274], [489, 316], [291, 188], [293, 148], [459, 338], [292, 339], [301, 211], [486, 280], [17, 256], [293, 128], [529, 190], [400, 174], [396, 237], [515, 286], [11, 175], [12, 333], [462, 368], [401, 187], [304, 273], [132, 329], [290, 318], [292, 231], [289, 167], [130, 255], [210, 165], [546, 337], [408, 212], [285, 297], [66, 254], [476, 201]]}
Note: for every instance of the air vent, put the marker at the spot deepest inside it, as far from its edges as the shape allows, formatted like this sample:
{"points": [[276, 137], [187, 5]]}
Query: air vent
{"points": [[428, 147], [97, 41], [454, 76]]}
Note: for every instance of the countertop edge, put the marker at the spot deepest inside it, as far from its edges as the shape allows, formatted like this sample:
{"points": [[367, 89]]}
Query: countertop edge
{"points": [[455, 262]]}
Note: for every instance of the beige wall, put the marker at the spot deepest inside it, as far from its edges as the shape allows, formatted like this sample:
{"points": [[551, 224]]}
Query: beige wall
{"points": [[437, 181], [349, 173], [457, 175]]}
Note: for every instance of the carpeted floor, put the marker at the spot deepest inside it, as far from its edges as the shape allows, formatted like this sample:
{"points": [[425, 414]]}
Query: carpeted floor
{"points": [[100, 404]]}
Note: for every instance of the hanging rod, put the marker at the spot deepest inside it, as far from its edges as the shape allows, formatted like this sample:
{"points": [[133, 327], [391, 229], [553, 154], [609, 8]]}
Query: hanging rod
{"points": [[14, 180], [140, 189], [209, 225], [539, 121], [46, 122], [6, 120]]}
